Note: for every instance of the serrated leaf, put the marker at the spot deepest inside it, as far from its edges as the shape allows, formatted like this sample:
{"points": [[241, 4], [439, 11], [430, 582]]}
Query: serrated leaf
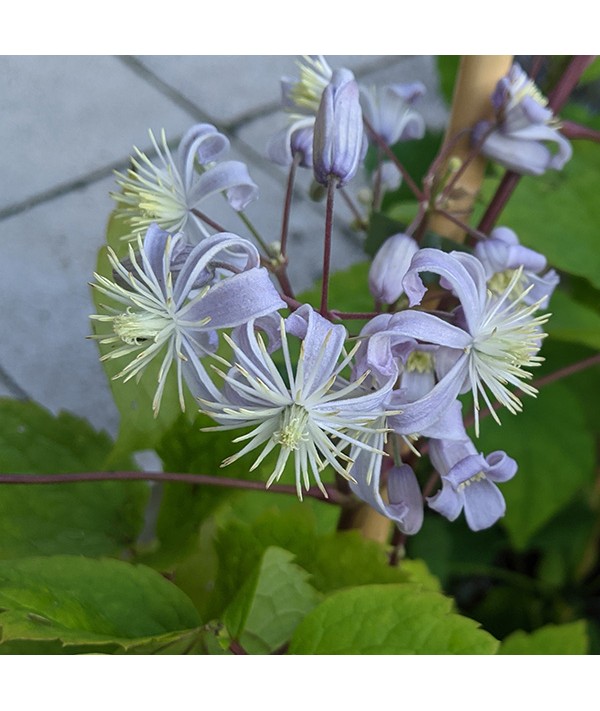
{"points": [[554, 449], [79, 602], [334, 560], [99, 518], [271, 603], [389, 619], [573, 322], [553, 639]]}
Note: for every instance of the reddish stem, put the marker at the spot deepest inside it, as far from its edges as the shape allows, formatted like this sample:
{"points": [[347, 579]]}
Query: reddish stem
{"points": [[331, 186]]}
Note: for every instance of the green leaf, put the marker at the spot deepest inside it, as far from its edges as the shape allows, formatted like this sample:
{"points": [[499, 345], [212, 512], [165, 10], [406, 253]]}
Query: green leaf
{"points": [[99, 518], [389, 619], [555, 453], [447, 66], [84, 602], [348, 290], [334, 560], [573, 322], [271, 603], [553, 639], [558, 214]]}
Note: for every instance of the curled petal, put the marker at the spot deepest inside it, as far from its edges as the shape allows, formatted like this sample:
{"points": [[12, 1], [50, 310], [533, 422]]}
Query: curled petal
{"points": [[201, 142], [230, 177]]}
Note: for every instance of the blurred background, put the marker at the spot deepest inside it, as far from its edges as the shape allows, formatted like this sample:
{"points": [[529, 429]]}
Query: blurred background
{"points": [[66, 124]]}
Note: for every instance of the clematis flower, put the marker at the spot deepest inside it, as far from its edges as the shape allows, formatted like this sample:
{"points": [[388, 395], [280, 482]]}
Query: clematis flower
{"points": [[174, 314], [295, 139], [303, 95], [497, 340], [313, 415], [338, 140], [523, 127], [166, 192], [501, 254], [469, 482], [388, 109], [389, 266]]}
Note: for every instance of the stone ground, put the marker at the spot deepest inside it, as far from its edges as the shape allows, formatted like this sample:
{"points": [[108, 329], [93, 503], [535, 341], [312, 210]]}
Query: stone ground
{"points": [[66, 123]]}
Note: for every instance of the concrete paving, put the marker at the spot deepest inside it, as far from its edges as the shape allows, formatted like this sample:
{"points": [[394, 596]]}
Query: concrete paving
{"points": [[65, 124]]}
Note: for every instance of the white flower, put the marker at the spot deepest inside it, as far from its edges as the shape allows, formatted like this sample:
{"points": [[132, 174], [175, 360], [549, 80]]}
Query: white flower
{"points": [[314, 415], [167, 191], [172, 303]]}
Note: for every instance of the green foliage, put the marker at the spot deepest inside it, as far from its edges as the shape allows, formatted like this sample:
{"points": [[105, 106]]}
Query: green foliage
{"points": [[271, 603], [335, 560], [447, 66], [102, 605], [389, 619], [348, 290], [564, 224], [93, 519], [556, 458], [573, 322], [553, 639]]}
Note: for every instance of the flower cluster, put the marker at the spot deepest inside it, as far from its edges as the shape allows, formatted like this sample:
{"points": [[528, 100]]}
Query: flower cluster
{"points": [[305, 395]]}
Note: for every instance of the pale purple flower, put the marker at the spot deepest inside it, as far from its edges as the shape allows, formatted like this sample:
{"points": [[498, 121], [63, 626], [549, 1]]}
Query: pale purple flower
{"points": [[296, 139], [389, 266], [501, 254], [496, 340], [388, 109], [338, 139], [167, 190], [523, 127], [173, 314], [469, 482], [310, 413]]}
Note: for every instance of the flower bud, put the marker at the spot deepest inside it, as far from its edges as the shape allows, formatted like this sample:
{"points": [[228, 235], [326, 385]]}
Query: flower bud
{"points": [[338, 139], [389, 267]]}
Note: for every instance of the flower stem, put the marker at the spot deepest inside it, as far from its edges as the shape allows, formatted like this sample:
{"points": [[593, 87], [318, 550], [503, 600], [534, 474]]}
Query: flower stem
{"points": [[209, 221], [285, 221], [255, 233], [334, 497], [392, 156], [331, 186]]}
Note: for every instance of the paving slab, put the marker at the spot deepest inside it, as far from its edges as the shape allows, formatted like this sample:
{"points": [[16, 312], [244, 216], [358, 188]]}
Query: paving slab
{"points": [[230, 87], [62, 118], [47, 257]]}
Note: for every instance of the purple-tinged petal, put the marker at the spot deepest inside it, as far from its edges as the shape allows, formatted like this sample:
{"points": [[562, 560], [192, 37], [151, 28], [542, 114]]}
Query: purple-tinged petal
{"points": [[426, 327], [202, 142], [543, 288], [447, 502], [230, 177], [484, 505], [389, 266], [409, 91], [451, 268], [403, 489], [449, 426], [236, 300], [338, 136], [322, 342], [295, 138], [500, 467], [525, 157], [415, 417]]}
